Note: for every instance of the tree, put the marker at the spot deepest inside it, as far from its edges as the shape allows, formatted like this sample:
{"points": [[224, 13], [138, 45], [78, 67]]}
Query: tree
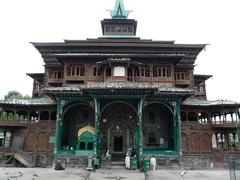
{"points": [[15, 95]]}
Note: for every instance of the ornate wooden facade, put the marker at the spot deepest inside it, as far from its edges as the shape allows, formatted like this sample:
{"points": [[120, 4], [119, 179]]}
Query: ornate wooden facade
{"points": [[134, 93]]}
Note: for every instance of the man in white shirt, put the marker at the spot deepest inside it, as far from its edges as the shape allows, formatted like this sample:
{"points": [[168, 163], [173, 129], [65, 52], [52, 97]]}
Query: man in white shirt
{"points": [[153, 162], [127, 161]]}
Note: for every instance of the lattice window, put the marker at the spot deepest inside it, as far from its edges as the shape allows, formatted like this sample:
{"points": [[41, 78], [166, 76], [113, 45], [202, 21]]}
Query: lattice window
{"points": [[82, 70], [69, 68], [182, 75], [162, 71]]}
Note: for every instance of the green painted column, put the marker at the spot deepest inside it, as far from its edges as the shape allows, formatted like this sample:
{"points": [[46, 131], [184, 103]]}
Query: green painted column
{"points": [[177, 122], [97, 124], [140, 139], [58, 131]]}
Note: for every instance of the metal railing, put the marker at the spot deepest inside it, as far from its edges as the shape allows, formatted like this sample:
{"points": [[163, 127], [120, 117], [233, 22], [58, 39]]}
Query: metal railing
{"points": [[234, 168]]}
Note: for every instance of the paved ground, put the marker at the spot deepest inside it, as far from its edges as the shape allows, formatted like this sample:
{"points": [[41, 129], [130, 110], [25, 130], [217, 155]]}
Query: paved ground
{"points": [[76, 174]]}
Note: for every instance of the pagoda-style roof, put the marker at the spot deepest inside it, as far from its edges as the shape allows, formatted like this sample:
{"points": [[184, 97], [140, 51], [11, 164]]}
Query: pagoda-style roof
{"points": [[36, 76], [28, 102], [204, 102], [198, 78]]}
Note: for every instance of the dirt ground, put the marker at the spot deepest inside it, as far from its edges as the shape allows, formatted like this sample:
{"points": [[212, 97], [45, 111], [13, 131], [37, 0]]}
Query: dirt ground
{"points": [[101, 174]]}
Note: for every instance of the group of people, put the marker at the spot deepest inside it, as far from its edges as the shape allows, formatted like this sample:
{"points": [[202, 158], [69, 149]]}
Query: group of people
{"points": [[132, 154]]}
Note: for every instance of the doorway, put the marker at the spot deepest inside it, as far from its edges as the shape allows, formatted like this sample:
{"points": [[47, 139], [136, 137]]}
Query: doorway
{"points": [[118, 143]]}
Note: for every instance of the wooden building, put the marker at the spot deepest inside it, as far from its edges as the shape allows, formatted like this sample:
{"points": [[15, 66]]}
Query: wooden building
{"points": [[118, 92]]}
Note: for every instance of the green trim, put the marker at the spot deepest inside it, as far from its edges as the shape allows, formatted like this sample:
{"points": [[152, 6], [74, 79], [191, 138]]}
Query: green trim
{"points": [[162, 153], [75, 153]]}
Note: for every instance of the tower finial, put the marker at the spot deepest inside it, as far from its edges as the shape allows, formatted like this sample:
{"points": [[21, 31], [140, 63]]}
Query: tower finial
{"points": [[119, 11]]}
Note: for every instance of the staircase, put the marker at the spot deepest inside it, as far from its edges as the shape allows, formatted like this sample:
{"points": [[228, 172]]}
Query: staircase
{"points": [[24, 158], [117, 162]]}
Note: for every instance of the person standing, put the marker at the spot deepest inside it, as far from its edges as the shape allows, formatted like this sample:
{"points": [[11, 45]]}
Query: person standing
{"points": [[153, 162], [127, 161]]}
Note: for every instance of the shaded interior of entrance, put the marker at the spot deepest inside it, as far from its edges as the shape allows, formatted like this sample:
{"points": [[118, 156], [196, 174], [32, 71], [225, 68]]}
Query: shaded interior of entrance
{"points": [[158, 128], [75, 118], [118, 127]]}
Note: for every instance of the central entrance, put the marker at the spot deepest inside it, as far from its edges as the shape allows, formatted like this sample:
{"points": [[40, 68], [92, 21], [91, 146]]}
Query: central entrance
{"points": [[118, 143], [117, 127]]}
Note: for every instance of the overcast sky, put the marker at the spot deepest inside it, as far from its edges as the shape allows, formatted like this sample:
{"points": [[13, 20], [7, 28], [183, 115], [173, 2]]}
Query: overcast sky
{"points": [[214, 22]]}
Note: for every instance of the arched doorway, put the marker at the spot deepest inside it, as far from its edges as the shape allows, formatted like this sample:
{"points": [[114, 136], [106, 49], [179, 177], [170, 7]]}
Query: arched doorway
{"points": [[118, 126], [158, 127], [75, 118]]}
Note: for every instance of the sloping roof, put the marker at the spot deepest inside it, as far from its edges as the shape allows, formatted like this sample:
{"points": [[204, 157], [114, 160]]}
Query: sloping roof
{"points": [[203, 102], [118, 86], [35, 101]]}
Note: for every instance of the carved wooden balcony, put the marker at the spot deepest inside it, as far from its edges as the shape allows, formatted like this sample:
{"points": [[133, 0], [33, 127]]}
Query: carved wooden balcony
{"points": [[55, 81], [182, 82]]}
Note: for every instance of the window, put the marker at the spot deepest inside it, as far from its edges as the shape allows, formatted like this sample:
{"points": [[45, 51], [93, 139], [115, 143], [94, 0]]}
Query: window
{"points": [[152, 138], [59, 74], [145, 71], [69, 67], [108, 71], [75, 69], [136, 72], [162, 71], [124, 29], [94, 71], [90, 146], [155, 68], [82, 146], [5, 139], [119, 71], [130, 29], [169, 74], [113, 28], [118, 29], [107, 28], [82, 70], [181, 75]]}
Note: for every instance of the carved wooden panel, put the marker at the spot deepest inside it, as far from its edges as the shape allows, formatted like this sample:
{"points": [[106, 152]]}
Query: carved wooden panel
{"points": [[30, 141], [194, 142], [184, 143], [205, 143], [42, 141]]}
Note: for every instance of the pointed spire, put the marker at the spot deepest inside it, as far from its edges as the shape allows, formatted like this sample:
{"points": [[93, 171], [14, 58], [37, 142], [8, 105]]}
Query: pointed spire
{"points": [[119, 11]]}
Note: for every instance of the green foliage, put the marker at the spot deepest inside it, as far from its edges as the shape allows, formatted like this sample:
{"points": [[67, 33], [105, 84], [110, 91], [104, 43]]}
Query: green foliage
{"points": [[15, 95]]}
